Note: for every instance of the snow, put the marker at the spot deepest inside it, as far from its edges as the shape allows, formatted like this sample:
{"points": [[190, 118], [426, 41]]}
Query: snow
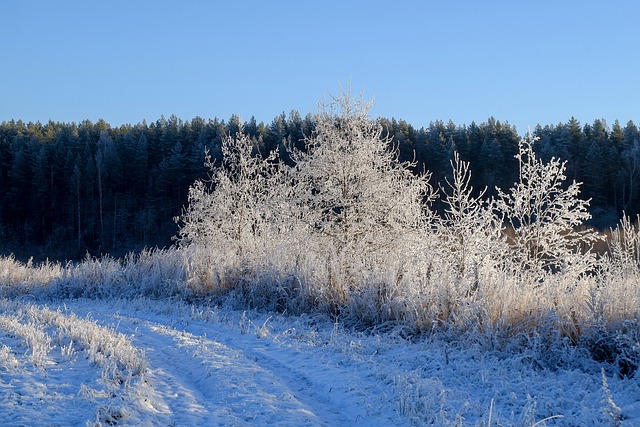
{"points": [[225, 367]]}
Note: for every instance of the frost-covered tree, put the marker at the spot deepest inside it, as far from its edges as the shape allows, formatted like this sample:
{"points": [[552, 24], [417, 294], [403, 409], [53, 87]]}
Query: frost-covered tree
{"points": [[358, 205], [228, 215], [544, 216], [471, 232]]}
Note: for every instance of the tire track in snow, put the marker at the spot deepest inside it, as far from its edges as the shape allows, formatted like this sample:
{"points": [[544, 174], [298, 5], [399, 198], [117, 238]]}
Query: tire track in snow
{"points": [[212, 375], [194, 380], [184, 388], [338, 394]]}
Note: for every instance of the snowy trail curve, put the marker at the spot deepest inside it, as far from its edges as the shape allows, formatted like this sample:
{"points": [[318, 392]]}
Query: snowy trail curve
{"points": [[167, 363], [213, 374]]}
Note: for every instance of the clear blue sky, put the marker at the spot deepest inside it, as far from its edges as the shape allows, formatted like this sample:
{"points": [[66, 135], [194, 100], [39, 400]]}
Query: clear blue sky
{"points": [[525, 62]]}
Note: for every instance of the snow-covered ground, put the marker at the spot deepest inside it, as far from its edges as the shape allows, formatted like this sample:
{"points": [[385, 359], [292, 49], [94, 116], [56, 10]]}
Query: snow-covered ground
{"points": [[146, 362]]}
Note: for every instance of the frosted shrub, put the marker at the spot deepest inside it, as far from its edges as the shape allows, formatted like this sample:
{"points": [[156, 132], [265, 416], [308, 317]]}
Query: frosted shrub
{"points": [[470, 231], [155, 273], [471, 245], [225, 228], [612, 331], [19, 278], [548, 263], [545, 218], [516, 262]]}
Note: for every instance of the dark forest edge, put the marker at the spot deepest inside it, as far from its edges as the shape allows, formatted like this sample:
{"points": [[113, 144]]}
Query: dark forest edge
{"points": [[68, 190]]}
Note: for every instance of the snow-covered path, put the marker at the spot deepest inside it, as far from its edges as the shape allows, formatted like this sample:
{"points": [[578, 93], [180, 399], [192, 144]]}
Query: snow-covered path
{"points": [[212, 374], [80, 365], [236, 380]]}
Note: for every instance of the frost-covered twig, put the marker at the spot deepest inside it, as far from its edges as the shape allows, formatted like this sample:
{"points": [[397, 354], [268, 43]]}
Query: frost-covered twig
{"points": [[611, 410]]}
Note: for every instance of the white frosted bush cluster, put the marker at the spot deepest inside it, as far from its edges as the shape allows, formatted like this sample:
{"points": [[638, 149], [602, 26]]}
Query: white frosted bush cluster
{"points": [[358, 212], [348, 228], [340, 229]]}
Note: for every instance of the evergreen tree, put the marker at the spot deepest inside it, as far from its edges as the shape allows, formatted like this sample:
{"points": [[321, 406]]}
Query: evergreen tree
{"points": [[20, 176], [105, 165], [41, 191]]}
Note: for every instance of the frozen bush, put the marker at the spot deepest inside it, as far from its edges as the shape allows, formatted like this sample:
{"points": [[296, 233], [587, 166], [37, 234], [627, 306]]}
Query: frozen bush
{"points": [[470, 231], [545, 217], [17, 278], [227, 227]]}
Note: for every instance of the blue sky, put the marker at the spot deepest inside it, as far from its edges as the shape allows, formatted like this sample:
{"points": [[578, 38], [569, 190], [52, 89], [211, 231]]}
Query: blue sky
{"points": [[525, 62]]}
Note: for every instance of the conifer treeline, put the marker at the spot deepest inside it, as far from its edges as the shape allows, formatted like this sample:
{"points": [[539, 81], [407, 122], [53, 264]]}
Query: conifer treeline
{"points": [[68, 189]]}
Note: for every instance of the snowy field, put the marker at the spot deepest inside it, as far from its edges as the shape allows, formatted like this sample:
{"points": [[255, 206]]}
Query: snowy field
{"points": [[149, 362]]}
